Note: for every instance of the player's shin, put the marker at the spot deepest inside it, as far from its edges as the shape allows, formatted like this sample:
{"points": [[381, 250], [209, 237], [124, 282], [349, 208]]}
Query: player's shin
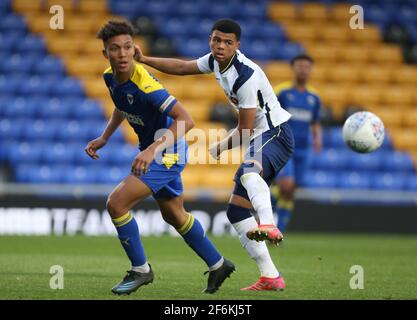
{"points": [[259, 196], [243, 221], [194, 235], [128, 231]]}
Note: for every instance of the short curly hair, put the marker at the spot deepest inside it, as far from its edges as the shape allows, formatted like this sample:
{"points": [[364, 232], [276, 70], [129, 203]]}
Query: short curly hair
{"points": [[114, 28]]}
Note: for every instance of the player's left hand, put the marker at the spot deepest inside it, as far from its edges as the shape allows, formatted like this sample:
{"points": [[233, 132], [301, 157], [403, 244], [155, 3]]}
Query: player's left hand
{"points": [[142, 161], [215, 151]]}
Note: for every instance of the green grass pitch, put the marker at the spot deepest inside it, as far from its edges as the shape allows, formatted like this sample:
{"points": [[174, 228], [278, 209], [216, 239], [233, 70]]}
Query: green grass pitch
{"points": [[315, 266]]}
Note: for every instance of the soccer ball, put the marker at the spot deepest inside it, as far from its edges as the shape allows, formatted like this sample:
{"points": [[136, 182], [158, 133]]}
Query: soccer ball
{"points": [[363, 132]]}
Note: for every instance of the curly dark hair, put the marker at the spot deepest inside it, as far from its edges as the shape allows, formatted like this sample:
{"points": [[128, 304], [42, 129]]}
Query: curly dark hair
{"points": [[114, 28], [302, 56]]}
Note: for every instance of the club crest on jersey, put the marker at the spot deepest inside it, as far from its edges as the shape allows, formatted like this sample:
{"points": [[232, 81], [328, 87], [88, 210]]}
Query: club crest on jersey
{"points": [[129, 98], [310, 100]]}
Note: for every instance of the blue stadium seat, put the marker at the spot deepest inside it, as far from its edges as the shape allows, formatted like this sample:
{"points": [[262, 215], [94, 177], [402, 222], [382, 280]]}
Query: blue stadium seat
{"points": [[21, 108], [50, 65], [89, 109], [39, 130], [272, 32], [12, 22], [74, 130], [122, 154], [69, 87], [35, 86], [397, 161], [9, 130], [31, 43], [23, 171], [377, 15], [5, 6], [25, 153], [96, 129], [257, 50], [192, 47], [53, 108], [286, 51], [333, 138], [249, 10], [7, 44], [331, 159], [173, 27], [128, 9], [57, 153], [321, 179], [79, 155], [160, 8], [19, 64], [388, 181], [366, 162], [354, 180], [46, 174], [112, 175], [411, 183], [80, 175], [198, 28], [9, 85]]}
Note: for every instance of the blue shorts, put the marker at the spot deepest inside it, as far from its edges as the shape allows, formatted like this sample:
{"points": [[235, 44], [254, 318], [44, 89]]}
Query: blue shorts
{"points": [[164, 177], [272, 150], [297, 166]]}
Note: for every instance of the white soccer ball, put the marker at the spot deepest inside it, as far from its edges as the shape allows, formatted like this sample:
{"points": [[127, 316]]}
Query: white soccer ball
{"points": [[363, 132]]}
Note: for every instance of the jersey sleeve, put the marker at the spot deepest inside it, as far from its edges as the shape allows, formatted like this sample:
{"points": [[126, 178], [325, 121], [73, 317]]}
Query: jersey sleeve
{"points": [[162, 100], [206, 63], [247, 95], [316, 111]]}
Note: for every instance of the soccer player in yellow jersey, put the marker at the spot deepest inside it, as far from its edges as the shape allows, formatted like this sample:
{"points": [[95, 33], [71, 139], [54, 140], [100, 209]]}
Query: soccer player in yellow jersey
{"points": [[161, 123]]}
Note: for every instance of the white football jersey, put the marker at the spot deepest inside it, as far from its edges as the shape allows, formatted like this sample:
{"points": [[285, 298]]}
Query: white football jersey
{"points": [[247, 86]]}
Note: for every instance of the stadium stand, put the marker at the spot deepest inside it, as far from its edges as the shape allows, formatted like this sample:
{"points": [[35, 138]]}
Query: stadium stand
{"points": [[45, 123]]}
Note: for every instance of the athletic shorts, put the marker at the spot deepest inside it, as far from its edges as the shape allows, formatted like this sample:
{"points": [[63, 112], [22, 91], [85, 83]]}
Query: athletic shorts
{"points": [[164, 175], [272, 150]]}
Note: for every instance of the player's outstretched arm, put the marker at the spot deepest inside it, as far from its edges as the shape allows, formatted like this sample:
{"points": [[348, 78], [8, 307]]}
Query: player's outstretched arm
{"points": [[114, 122], [181, 125], [168, 65]]}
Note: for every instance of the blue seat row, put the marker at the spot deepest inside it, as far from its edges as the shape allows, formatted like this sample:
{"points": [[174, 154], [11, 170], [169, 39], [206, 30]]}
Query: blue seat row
{"points": [[31, 63], [70, 153], [12, 108], [337, 159], [62, 130], [361, 180], [67, 174]]}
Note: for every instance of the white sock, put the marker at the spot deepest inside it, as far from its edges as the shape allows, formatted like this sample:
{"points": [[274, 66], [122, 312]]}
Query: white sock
{"points": [[258, 251], [144, 268], [217, 265], [259, 196]]}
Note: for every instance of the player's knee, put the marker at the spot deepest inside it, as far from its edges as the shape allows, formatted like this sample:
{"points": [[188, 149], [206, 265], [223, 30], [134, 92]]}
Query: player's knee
{"points": [[113, 207]]}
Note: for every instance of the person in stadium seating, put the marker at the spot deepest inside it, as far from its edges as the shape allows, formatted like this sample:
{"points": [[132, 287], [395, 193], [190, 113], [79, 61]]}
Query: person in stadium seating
{"points": [[303, 102], [161, 123], [264, 122]]}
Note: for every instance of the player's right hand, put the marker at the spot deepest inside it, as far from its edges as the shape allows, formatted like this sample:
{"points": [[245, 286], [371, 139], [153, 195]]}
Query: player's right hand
{"points": [[93, 146], [138, 54]]}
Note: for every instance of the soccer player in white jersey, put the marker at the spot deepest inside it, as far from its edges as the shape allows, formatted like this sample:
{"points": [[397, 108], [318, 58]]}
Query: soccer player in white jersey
{"points": [[264, 122]]}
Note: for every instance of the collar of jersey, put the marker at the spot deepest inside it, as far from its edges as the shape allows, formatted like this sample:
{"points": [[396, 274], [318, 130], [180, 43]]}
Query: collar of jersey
{"points": [[229, 64]]}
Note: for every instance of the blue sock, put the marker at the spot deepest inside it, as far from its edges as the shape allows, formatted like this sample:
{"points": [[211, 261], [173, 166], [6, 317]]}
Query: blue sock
{"points": [[193, 234], [128, 231]]}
